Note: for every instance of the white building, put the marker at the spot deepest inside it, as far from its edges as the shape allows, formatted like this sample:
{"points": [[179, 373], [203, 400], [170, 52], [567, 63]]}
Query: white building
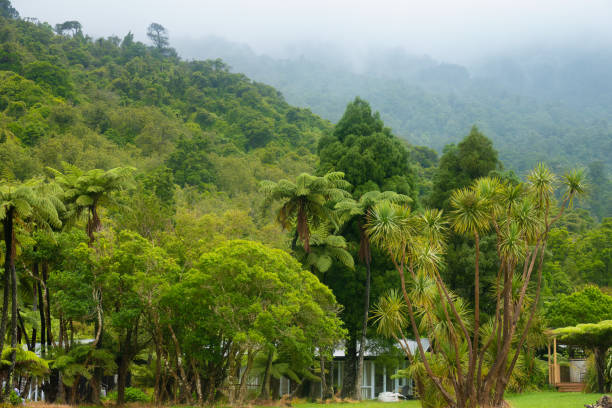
{"points": [[376, 378]]}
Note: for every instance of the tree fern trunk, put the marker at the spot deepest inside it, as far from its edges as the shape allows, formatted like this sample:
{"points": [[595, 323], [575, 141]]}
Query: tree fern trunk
{"points": [[8, 263], [14, 311]]}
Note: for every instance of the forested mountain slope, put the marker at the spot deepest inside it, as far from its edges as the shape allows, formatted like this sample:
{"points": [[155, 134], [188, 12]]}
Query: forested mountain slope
{"points": [[105, 102], [191, 220], [534, 109]]}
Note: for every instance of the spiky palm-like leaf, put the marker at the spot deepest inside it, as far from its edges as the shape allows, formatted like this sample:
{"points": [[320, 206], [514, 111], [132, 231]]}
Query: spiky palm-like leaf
{"points": [[84, 191], [542, 183], [434, 226], [304, 203], [512, 245], [574, 181], [390, 314], [471, 212], [525, 215], [391, 225], [490, 190]]}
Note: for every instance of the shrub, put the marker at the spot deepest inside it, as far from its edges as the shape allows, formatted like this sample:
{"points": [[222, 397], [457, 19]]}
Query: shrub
{"points": [[132, 394], [15, 399]]}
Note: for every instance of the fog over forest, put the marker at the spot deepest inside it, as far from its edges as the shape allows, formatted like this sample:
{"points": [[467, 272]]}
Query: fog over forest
{"points": [[444, 29], [535, 76]]}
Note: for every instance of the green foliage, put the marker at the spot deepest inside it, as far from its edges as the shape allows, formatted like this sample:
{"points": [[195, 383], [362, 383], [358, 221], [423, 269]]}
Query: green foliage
{"points": [[134, 105], [588, 334], [304, 204], [81, 361], [15, 399], [191, 164], [51, 76], [530, 117], [367, 153], [27, 363], [7, 10], [151, 229], [325, 249], [589, 305], [132, 394], [460, 164], [257, 298], [581, 253]]}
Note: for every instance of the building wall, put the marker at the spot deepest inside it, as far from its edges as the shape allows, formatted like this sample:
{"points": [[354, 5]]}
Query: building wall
{"points": [[578, 370], [376, 379]]}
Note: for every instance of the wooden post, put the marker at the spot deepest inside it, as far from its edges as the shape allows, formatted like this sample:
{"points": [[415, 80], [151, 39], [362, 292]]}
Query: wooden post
{"points": [[557, 373], [550, 379]]}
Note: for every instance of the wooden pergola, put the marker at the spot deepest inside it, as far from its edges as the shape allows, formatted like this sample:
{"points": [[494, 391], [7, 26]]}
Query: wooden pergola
{"points": [[596, 337], [554, 371]]}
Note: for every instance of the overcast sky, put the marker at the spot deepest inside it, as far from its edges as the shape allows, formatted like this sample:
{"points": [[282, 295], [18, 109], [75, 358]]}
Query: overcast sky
{"points": [[445, 29]]}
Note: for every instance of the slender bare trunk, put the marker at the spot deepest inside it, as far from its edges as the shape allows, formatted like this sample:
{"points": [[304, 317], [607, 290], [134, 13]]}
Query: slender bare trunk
{"points": [[47, 303], [9, 264], [265, 386], [323, 380], [244, 378], [13, 283], [198, 382], [43, 320], [364, 329], [34, 304]]}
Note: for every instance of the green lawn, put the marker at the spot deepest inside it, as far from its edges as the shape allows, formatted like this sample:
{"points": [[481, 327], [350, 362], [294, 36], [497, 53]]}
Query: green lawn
{"points": [[552, 399], [528, 400]]}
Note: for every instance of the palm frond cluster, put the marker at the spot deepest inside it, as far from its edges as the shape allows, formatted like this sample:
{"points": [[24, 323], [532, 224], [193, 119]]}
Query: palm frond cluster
{"points": [[32, 207], [473, 358]]}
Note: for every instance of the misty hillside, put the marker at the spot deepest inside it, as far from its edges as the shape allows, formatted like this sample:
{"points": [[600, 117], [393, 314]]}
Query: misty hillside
{"points": [[107, 102], [536, 107], [183, 230]]}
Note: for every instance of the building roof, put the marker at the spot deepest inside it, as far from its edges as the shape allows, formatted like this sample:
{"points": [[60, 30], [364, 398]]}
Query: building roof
{"points": [[372, 351]]}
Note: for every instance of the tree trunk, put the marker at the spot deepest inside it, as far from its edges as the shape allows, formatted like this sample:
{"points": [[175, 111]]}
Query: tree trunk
{"points": [[325, 390], [294, 240], [198, 382], [600, 366], [332, 392], [265, 387], [61, 390], [23, 330], [122, 373], [43, 321], [71, 335], [9, 264], [47, 302], [245, 377], [14, 327], [348, 383], [93, 223], [34, 303], [74, 390], [470, 389], [157, 387], [185, 388], [364, 329], [96, 378]]}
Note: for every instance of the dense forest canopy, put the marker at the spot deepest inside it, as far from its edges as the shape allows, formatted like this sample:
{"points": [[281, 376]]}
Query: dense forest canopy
{"points": [[184, 227], [549, 105]]}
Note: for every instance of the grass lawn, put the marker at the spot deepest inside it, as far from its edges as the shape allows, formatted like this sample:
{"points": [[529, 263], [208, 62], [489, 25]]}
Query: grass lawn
{"points": [[542, 399], [552, 399]]}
